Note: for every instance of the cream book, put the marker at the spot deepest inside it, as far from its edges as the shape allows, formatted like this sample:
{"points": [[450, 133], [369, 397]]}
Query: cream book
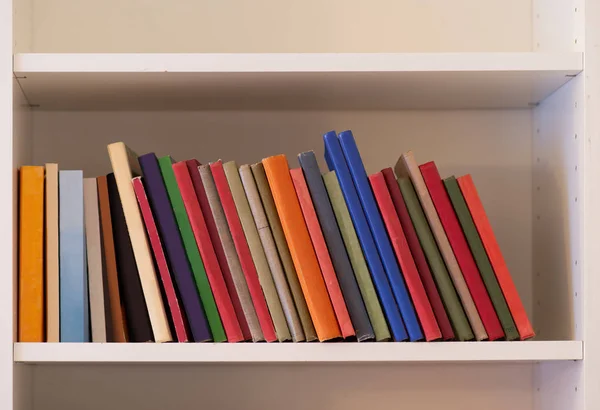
{"points": [[52, 243], [125, 166]]}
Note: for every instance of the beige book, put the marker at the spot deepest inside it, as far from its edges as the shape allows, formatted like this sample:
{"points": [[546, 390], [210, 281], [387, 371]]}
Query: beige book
{"points": [[407, 166], [268, 244], [125, 166], [256, 250], [237, 275], [94, 260], [52, 264]]}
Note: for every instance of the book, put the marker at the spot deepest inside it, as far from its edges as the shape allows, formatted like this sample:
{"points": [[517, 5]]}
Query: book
{"points": [[51, 255], [31, 254], [118, 326], [207, 253], [243, 251], [137, 320], [481, 258], [270, 249], [233, 262], [181, 270], [335, 244], [322, 253], [175, 310], [417, 253], [460, 324], [95, 269], [336, 162], [74, 302], [357, 259], [258, 170], [301, 249], [191, 249], [459, 245], [407, 166], [486, 233], [431, 330], [125, 166], [256, 251]]}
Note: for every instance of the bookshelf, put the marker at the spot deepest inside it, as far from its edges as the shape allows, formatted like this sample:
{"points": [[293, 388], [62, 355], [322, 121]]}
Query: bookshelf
{"points": [[505, 90]]}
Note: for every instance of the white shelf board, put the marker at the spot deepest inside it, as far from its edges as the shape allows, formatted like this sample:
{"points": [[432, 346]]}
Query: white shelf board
{"points": [[292, 81], [531, 351]]}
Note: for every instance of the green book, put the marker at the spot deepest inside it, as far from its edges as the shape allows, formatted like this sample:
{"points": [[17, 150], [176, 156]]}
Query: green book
{"points": [[357, 259], [481, 258], [191, 249], [457, 316]]}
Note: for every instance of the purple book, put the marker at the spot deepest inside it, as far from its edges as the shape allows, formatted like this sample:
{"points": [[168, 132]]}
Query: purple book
{"points": [[177, 258]]}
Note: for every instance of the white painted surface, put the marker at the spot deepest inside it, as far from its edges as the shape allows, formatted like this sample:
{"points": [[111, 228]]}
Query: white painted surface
{"points": [[292, 81]]}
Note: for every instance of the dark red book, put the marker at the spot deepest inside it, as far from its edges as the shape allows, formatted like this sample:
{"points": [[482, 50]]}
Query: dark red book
{"points": [[418, 256], [243, 251], [415, 287], [161, 262], [461, 250], [211, 225], [207, 252]]}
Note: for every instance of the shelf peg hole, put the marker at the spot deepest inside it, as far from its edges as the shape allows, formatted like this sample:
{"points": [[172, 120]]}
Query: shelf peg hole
{"points": [[575, 136], [575, 199], [575, 167], [575, 263]]}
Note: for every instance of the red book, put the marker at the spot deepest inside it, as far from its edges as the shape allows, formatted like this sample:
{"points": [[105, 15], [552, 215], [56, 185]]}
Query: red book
{"points": [[161, 262], [207, 252], [492, 249], [318, 241], [418, 256], [419, 298], [461, 250], [243, 251], [192, 166]]}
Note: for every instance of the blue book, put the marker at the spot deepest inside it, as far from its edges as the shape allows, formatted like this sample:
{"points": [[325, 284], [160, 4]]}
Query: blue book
{"points": [[337, 162], [382, 241], [74, 303]]}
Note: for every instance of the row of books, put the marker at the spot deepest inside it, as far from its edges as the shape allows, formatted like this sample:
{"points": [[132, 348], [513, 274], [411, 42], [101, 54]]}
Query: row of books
{"points": [[178, 251]]}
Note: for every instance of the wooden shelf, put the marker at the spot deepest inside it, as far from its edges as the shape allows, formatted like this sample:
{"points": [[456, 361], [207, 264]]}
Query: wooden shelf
{"points": [[292, 81], [298, 353]]}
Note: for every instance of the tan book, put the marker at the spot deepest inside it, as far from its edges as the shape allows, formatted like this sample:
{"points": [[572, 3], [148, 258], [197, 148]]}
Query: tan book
{"points": [[52, 281], [125, 166], [94, 260], [407, 166], [270, 250], [237, 275], [266, 196], [256, 250]]}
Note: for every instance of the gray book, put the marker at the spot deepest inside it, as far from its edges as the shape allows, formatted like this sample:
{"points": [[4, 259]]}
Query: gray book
{"points": [[268, 244], [266, 196], [256, 250], [231, 255]]}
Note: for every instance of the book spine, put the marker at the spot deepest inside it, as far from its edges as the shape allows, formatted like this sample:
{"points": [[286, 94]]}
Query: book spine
{"points": [[418, 255], [194, 170], [355, 254], [268, 243], [493, 252], [31, 255], [51, 255], [161, 262], [207, 252], [407, 165], [266, 196], [483, 263], [74, 310], [430, 327], [452, 303], [322, 253], [459, 245]]}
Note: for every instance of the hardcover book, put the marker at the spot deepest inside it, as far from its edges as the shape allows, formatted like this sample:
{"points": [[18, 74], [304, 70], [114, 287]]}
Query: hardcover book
{"points": [[51, 255]]}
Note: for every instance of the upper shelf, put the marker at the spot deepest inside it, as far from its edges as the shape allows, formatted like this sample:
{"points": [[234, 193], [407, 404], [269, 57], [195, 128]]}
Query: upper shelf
{"points": [[292, 81]]}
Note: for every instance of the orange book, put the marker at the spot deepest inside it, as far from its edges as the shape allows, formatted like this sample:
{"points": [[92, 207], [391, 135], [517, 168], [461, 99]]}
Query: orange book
{"points": [[318, 241], [492, 249], [301, 248], [31, 255]]}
